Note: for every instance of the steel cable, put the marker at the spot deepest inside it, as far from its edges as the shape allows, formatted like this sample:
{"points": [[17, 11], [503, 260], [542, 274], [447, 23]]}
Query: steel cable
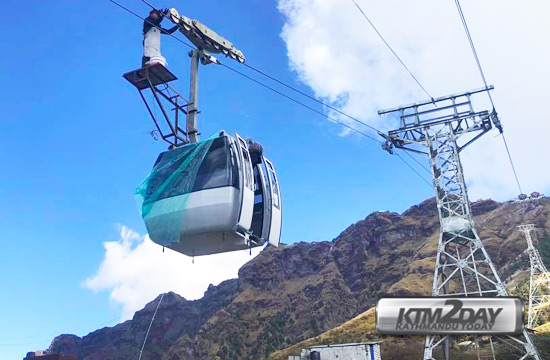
{"points": [[391, 49], [287, 96], [469, 36]]}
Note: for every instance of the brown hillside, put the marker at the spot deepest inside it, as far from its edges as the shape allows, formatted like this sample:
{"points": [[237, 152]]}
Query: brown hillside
{"points": [[292, 293]]}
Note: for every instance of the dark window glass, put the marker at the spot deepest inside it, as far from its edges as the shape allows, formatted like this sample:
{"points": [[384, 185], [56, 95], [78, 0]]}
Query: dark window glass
{"points": [[176, 170], [258, 212], [214, 171], [234, 168], [275, 189], [247, 175], [167, 163]]}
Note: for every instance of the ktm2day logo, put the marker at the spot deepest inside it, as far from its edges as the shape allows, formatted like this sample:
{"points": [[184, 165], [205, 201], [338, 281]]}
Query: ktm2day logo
{"points": [[443, 315], [458, 318]]}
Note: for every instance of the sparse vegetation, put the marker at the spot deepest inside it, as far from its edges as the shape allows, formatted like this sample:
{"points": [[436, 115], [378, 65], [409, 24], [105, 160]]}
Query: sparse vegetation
{"points": [[301, 295]]}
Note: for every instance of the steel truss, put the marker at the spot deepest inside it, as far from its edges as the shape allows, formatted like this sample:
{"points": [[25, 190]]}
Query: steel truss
{"points": [[539, 281], [463, 266], [156, 78]]}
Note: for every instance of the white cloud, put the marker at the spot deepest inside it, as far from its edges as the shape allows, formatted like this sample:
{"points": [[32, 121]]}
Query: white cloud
{"points": [[135, 270], [335, 52]]}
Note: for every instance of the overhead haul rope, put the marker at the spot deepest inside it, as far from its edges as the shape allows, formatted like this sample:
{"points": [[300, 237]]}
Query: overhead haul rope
{"points": [[310, 97], [148, 4], [339, 122], [258, 71], [422, 87], [302, 104], [149, 328], [150, 23], [287, 96], [463, 19], [335, 120], [389, 47], [263, 73]]}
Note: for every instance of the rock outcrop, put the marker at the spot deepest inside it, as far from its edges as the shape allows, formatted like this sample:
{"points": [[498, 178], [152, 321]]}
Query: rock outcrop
{"points": [[288, 294]]}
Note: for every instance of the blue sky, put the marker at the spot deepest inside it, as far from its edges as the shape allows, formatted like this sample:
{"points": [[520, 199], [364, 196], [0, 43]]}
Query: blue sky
{"points": [[74, 146]]}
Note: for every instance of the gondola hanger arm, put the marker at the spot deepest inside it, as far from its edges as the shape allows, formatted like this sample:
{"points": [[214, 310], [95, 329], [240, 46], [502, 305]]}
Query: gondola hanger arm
{"points": [[205, 39]]}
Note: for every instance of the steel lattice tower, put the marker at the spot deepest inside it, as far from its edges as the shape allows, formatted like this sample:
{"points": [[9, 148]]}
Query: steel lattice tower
{"points": [[463, 266], [539, 281]]}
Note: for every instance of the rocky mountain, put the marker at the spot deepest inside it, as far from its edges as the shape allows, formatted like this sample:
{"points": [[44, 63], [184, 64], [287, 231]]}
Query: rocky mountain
{"points": [[292, 293], [361, 328]]}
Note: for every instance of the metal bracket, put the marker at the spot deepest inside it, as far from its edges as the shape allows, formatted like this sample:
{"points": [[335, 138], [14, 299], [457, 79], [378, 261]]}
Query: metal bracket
{"points": [[156, 78]]}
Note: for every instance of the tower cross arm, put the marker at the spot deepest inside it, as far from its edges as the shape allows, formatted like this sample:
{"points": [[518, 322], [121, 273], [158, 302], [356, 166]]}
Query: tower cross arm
{"points": [[433, 120], [435, 100]]}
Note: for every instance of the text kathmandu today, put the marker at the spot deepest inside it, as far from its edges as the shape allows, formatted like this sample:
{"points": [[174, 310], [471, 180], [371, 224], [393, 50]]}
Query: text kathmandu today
{"points": [[458, 318]]}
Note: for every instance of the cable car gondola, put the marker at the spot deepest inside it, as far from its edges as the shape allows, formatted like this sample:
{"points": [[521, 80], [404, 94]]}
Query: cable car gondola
{"points": [[208, 197], [203, 197]]}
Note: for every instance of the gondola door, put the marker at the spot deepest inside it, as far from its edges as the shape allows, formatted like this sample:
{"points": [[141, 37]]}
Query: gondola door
{"points": [[247, 185], [275, 204]]}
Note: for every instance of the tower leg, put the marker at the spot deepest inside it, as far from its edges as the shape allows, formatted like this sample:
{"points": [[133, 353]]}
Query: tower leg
{"points": [[539, 280], [463, 266]]}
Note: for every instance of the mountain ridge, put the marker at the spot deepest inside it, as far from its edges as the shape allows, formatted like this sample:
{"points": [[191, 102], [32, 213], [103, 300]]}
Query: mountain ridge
{"points": [[292, 293]]}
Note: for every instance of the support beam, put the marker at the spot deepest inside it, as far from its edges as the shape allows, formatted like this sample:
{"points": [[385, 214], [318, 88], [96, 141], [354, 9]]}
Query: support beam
{"points": [[156, 78], [193, 111]]}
